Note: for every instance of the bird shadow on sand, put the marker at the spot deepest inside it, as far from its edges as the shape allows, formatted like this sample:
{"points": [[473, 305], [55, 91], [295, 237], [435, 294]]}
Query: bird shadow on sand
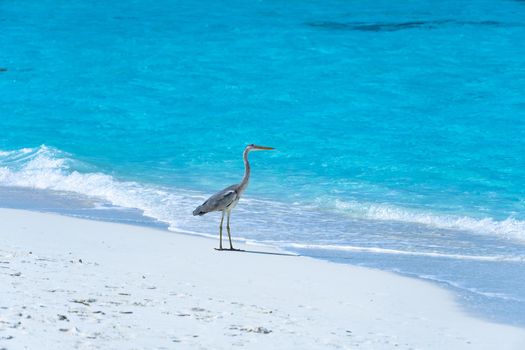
{"points": [[258, 252]]}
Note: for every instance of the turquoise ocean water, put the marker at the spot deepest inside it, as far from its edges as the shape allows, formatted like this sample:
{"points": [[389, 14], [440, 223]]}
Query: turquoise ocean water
{"points": [[400, 127]]}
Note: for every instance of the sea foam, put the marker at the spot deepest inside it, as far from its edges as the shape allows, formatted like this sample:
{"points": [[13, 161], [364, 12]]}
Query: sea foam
{"points": [[379, 250]]}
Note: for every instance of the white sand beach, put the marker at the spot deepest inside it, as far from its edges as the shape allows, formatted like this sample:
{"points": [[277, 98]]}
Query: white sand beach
{"points": [[68, 283]]}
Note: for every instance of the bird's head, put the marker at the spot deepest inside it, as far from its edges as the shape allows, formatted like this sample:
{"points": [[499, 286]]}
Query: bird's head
{"points": [[253, 147]]}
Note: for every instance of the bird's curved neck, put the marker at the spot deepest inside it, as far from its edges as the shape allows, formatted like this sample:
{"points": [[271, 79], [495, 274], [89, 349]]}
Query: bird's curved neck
{"points": [[246, 178]]}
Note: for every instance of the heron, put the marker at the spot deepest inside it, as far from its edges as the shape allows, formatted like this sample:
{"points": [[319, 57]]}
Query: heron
{"points": [[225, 200]]}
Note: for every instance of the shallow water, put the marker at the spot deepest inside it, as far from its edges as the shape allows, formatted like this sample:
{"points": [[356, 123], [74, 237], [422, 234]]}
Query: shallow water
{"points": [[400, 128]]}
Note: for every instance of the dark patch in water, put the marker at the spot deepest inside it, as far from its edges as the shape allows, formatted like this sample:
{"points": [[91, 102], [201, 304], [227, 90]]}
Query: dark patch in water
{"points": [[3, 69], [124, 18], [392, 27]]}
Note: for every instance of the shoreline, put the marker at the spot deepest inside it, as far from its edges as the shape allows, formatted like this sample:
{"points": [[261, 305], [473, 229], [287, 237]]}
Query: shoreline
{"points": [[477, 302], [120, 285]]}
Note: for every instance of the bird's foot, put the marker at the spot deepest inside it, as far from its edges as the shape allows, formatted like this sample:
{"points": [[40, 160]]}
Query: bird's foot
{"points": [[230, 249]]}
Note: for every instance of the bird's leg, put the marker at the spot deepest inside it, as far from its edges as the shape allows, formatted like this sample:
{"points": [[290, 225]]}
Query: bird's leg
{"points": [[228, 227], [220, 232]]}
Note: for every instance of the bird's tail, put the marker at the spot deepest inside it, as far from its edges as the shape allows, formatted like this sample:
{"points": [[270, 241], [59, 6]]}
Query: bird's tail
{"points": [[198, 211]]}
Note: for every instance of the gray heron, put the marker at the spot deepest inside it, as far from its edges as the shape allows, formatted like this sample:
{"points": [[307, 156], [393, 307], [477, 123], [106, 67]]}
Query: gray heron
{"points": [[228, 198]]}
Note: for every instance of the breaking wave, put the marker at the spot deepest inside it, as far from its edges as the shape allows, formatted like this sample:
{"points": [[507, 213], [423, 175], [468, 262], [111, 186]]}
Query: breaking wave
{"points": [[47, 168], [509, 228]]}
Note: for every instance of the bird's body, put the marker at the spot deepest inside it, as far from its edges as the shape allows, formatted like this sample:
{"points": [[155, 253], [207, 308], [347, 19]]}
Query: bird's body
{"points": [[228, 198]]}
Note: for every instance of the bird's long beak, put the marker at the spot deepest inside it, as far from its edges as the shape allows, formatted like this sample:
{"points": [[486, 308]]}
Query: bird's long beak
{"points": [[263, 148]]}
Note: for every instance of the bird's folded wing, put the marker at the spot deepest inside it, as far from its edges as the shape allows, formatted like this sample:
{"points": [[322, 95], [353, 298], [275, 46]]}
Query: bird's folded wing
{"points": [[220, 201]]}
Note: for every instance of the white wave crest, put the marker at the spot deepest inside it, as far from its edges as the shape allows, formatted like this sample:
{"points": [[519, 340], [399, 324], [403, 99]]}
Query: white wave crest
{"points": [[49, 169], [509, 228]]}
